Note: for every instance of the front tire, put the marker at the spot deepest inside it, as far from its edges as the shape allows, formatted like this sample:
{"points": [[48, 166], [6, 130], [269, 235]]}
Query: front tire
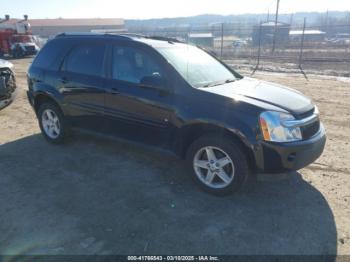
{"points": [[52, 123], [217, 164]]}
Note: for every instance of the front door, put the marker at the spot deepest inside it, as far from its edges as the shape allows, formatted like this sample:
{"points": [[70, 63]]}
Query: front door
{"points": [[135, 109]]}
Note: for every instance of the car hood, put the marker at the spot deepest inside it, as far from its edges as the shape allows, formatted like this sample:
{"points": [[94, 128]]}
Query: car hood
{"points": [[273, 94], [4, 63]]}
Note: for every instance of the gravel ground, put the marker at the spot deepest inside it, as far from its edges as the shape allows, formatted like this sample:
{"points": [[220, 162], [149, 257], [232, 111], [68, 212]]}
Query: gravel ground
{"points": [[95, 196]]}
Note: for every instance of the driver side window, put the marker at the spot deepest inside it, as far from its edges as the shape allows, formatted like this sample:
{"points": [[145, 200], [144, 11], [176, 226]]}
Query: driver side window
{"points": [[133, 65]]}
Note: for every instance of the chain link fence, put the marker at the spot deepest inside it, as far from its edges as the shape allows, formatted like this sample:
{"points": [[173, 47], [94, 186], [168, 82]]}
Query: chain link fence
{"points": [[271, 47]]}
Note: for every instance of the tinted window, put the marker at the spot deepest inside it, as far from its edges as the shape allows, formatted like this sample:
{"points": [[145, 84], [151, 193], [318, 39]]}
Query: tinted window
{"points": [[132, 65], [50, 53], [86, 59]]}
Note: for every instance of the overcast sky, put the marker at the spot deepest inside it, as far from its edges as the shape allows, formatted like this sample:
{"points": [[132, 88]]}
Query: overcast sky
{"points": [[159, 8]]}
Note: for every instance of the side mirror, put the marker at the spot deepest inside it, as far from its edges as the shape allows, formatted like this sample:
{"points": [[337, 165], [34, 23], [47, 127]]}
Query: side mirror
{"points": [[155, 80]]}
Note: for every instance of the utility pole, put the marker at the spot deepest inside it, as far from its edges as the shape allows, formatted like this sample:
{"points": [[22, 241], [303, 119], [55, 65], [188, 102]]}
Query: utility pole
{"points": [[259, 50], [327, 23], [349, 20], [268, 15], [302, 44], [222, 40], [276, 21], [302, 49]]}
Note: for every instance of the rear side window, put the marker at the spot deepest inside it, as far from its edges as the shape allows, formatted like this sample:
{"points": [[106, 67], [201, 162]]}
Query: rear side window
{"points": [[86, 59], [132, 65], [49, 54]]}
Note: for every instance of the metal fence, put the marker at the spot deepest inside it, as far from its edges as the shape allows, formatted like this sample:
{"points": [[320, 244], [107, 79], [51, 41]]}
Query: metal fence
{"points": [[267, 46]]}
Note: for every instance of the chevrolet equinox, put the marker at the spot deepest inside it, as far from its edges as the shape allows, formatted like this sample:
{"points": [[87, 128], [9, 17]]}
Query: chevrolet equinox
{"points": [[176, 97]]}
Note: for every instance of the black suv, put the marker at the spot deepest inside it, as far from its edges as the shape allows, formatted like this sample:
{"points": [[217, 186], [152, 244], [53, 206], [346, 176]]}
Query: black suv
{"points": [[177, 97]]}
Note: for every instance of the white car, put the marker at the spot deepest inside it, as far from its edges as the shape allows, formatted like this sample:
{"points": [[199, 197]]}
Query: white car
{"points": [[7, 83]]}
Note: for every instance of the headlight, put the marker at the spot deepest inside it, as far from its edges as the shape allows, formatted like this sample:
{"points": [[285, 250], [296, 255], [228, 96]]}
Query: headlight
{"points": [[271, 124]]}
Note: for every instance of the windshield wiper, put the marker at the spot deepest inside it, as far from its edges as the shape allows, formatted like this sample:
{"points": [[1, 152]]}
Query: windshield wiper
{"points": [[207, 85], [218, 83], [230, 80], [212, 84]]}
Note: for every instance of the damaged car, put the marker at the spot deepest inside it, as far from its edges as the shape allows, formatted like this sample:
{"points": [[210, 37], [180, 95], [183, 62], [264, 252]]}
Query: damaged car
{"points": [[175, 97], [7, 83]]}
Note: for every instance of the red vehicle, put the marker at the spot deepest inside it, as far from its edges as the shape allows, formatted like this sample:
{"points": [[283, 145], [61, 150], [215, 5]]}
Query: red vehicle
{"points": [[16, 38]]}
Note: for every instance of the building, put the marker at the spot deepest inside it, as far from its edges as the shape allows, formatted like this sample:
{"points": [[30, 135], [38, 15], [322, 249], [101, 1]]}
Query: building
{"points": [[343, 36], [201, 39], [266, 31], [309, 35], [47, 28]]}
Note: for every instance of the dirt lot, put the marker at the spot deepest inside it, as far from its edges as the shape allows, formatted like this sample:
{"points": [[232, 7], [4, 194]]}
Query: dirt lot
{"points": [[94, 196]]}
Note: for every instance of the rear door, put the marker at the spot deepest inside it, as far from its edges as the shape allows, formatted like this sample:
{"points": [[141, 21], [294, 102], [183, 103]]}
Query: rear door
{"points": [[81, 82], [137, 111]]}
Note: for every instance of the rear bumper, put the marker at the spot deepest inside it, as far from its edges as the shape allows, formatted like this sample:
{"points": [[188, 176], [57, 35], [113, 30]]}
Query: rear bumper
{"points": [[280, 157]]}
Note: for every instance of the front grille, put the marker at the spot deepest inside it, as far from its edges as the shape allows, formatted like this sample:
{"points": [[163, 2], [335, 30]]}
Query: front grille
{"points": [[7, 82], [310, 130]]}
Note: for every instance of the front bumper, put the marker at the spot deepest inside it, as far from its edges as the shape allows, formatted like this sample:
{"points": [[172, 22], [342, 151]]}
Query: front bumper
{"points": [[7, 93], [30, 52], [5, 102], [279, 157]]}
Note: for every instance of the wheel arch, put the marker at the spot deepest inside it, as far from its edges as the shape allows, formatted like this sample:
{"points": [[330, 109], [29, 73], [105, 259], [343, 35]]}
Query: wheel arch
{"points": [[42, 98], [189, 133]]}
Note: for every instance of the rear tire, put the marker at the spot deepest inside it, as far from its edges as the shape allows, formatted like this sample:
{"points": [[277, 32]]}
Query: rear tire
{"points": [[52, 123], [217, 164]]}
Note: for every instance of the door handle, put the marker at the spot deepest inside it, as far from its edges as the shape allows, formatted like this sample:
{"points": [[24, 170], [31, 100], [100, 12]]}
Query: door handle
{"points": [[63, 80], [36, 80], [114, 91]]}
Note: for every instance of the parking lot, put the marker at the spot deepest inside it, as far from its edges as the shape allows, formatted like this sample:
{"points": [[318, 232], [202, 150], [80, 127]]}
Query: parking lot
{"points": [[96, 196]]}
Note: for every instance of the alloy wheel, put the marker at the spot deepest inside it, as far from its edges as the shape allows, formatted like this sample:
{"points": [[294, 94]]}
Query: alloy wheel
{"points": [[214, 167], [50, 123]]}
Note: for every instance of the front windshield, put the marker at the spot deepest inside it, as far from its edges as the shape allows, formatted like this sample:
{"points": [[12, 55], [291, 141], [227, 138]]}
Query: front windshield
{"points": [[197, 67]]}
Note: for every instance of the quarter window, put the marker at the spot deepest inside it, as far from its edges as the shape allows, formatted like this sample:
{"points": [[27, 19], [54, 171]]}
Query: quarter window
{"points": [[86, 59], [132, 65], [53, 50]]}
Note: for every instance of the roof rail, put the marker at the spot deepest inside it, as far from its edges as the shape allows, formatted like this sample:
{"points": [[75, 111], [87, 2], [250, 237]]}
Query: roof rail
{"points": [[132, 35], [91, 34], [121, 35], [154, 37], [75, 34], [164, 38]]}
